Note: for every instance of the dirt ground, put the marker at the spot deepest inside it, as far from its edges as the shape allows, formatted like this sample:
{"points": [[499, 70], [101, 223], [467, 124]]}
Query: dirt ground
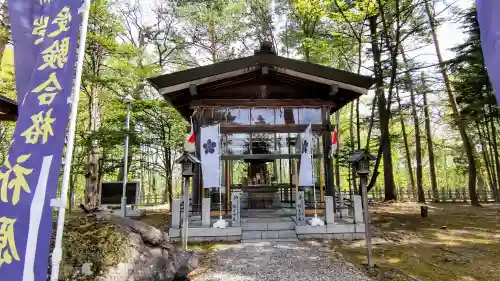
{"points": [[455, 242], [157, 216]]}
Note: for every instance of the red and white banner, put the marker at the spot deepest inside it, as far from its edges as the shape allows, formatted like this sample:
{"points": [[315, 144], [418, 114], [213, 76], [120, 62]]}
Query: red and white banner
{"points": [[189, 143]]}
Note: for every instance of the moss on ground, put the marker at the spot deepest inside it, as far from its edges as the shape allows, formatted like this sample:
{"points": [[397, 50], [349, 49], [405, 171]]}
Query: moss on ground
{"points": [[91, 240], [455, 243]]}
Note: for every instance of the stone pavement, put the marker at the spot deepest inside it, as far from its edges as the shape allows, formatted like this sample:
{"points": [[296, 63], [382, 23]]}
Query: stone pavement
{"points": [[275, 261]]}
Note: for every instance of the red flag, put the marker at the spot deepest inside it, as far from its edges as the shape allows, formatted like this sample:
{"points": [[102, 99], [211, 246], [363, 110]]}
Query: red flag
{"points": [[334, 141], [191, 136], [189, 144]]}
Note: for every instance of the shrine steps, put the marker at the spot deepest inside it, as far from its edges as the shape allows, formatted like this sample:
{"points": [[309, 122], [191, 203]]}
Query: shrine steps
{"points": [[267, 229]]}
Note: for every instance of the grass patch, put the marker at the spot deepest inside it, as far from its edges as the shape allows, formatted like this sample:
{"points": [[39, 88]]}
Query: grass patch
{"points": [[455, 243]]}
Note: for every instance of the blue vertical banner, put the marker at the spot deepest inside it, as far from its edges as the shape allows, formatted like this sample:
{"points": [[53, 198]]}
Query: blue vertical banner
{"points": [[45, 34], [488, 12]]}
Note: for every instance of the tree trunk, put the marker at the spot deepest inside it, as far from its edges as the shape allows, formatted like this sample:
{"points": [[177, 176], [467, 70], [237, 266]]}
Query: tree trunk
{"points": [[418, 144], [407, 149], [92, 166], [495, 151], [456, 114], [490, 170], [430, 145], [390, 192], [491, 153]]}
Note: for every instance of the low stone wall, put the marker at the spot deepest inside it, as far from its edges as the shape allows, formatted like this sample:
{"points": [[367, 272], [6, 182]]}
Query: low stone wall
{"points": [[341, 231], [331, 236], [207, 234], [208, 239]]}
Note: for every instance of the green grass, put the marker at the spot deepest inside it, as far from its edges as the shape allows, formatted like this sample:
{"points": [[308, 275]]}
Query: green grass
{"points": [[456, 243]]}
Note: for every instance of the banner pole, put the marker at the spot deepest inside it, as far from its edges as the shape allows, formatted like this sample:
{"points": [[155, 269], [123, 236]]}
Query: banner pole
{"points": [[61, 202]]}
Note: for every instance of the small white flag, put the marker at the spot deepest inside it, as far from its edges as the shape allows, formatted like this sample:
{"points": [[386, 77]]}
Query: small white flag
{"points": [[305, 171], [210, 156]]}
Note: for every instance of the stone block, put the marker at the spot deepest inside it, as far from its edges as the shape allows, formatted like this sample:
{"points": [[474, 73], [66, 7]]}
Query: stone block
{"points": [[214, 232], [360, 228], [287, 234], [176, 213], [196, 239], [300, 209], [328, 236], [280, 226], [349, 236], [305, 236], [329, 214], [236, 209], [307, 229], [358, 236], [174, 232], [338, 236], [341, 228], [254, 226], [205, 212], [233, 238], [358, 209], [270, 234], [251, 235]]}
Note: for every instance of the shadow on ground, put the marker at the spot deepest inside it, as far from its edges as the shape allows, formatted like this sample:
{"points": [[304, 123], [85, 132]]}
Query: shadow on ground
{"points": [[455, 242]]}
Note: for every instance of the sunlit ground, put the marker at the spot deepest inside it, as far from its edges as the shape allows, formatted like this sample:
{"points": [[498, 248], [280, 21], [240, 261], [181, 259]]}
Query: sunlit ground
{"points": [[455, 242]]}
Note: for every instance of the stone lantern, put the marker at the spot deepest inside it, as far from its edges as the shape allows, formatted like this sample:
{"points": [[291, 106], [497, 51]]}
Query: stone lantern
{"points": [[360, 160], [188, 162]]}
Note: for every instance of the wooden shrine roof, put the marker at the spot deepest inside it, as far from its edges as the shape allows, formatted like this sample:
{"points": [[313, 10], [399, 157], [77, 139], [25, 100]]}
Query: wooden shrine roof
{"points": [[263, 78], [8, 109]]}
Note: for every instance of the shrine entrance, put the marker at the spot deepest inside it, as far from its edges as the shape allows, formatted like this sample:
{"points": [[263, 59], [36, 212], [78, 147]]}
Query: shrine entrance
{"points": [[262, 104]]}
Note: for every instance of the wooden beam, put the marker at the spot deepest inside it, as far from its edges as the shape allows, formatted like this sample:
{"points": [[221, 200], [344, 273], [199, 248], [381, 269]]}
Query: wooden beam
{"points": [[287, 128], [264, 156], [262, 102]]}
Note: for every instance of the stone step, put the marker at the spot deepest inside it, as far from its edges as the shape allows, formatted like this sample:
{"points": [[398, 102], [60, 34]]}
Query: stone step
{"points": [[263, 226], [257, 241], [268, 234]]}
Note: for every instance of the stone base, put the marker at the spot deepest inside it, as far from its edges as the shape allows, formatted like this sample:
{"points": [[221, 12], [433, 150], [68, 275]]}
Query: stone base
{"points": [[206, 234], [331, 236], [341, 231], [198, 239]]}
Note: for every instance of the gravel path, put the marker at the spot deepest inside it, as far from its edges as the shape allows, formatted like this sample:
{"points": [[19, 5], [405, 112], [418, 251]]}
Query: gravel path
{"points": [[283, 261]]}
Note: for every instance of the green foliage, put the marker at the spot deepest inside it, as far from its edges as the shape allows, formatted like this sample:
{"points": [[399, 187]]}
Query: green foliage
{"points": [[212, 28], [7, 89], [470, 77]]}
